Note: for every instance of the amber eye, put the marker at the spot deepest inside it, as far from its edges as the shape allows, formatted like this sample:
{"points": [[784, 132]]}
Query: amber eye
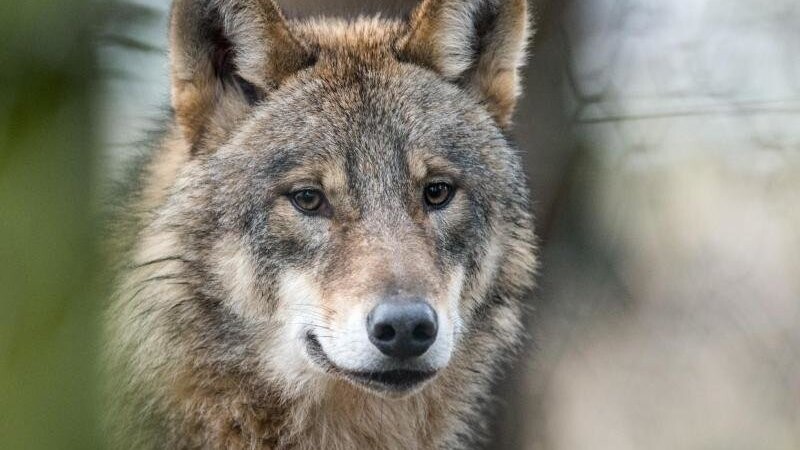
{"points": [[438, 195], [307, 200]]}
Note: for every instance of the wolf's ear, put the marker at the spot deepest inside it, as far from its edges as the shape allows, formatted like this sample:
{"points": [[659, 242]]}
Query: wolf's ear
{"points": [[225, 56], [479, 44]]}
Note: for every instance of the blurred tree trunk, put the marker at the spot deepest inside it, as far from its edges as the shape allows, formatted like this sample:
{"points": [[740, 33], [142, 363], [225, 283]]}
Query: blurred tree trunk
{"points": [[48, 301]]}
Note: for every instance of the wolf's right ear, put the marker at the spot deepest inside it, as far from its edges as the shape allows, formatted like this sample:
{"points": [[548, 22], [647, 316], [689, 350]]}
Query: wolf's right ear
{"points": [[225, 56]]}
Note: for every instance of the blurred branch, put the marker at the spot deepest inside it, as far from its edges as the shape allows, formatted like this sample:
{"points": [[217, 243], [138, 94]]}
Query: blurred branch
{"points": [[731, 109], [127, 43]]}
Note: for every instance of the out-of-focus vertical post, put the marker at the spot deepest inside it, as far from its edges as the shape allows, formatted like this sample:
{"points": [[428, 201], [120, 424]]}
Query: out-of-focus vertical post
{"points": [[48, 299]]}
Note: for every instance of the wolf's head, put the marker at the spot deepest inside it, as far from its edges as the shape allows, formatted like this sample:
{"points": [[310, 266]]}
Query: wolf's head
{"points": [[350, 205]]}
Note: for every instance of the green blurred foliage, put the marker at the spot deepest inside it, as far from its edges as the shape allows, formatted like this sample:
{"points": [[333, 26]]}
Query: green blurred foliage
{"points": [[48, 225]]}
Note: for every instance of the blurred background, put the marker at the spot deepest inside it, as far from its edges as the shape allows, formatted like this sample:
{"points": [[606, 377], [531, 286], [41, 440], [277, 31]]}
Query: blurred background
{"points": [[662, 145]]}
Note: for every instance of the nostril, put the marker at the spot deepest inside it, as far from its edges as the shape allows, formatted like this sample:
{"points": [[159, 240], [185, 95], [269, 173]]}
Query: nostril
{"points": [[424, 331], [384, 332]]}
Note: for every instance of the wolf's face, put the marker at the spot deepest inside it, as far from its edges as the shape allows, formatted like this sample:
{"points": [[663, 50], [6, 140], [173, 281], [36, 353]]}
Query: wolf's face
{"points": [[368, 210], [350, 191]]}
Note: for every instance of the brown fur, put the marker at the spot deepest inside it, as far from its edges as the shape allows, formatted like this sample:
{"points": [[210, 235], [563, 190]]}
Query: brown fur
{"points": [[199, 351]]}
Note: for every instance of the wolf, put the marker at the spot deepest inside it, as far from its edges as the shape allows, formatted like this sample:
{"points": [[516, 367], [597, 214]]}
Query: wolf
{"points": [[330, 245]]}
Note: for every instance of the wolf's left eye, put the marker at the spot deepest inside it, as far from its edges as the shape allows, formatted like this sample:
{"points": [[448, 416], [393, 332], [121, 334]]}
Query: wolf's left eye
{"points": [[308, 201], [438, 195]]}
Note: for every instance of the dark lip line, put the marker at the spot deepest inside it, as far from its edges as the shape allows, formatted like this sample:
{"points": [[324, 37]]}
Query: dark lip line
{"points": [[395, 380]]}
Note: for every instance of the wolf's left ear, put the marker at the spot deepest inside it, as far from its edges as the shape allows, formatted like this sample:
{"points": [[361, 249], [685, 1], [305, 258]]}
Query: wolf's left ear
{"points": [[479, 44]]}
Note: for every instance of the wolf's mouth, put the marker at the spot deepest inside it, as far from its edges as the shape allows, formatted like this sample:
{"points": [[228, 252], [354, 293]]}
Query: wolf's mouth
{"points": [[396, 381]]}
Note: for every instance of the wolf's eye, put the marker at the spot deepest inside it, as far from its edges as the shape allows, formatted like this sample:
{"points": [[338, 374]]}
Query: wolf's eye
{"points": [[438, 195], [307, 200]]}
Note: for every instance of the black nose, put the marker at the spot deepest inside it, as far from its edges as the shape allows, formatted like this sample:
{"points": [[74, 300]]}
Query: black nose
{"points": [[402, 328]]}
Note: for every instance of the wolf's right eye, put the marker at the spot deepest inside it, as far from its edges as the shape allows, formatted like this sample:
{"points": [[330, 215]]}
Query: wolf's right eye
{"points": [[438, 195], [308, 201]]}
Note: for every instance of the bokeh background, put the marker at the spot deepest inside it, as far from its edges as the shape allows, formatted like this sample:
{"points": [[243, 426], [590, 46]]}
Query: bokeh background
{"points": [[662, 145]]}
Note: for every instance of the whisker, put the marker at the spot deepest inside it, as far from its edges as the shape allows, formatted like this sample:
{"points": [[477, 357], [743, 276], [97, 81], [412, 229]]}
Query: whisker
{"points": [[315, 325], [173, 276], [314, 317], [308, 305], [325, 336], [135, 294], [160, 260], [142, 284]]}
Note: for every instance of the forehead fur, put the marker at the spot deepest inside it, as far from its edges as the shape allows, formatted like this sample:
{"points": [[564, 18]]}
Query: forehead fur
{"points": [[360, 98], [388, 118], [365, 36]]}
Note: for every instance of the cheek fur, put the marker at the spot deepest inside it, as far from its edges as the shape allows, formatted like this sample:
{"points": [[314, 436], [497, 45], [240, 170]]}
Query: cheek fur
{"points": [[458, 230], [235, 269], [287, 238]]}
